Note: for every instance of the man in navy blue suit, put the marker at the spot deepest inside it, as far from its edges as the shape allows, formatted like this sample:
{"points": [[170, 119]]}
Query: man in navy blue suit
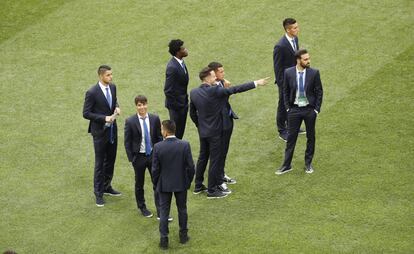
{"points": [[173, 172], [206, 111], [283, 58], [101, 108], [142, 132], [175, 88], [302, 94]]}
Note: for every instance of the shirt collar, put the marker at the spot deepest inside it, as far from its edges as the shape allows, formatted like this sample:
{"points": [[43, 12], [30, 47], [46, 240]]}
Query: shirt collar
{"points": [[102, 86], [180, 61], [289, 38], [171, 136], [304, 70], [140, 117]]}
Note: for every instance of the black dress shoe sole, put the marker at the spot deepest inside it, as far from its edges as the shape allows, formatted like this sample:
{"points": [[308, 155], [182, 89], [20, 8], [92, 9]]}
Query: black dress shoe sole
{"points": [[284, 140], [283, 172], [112, 194]]}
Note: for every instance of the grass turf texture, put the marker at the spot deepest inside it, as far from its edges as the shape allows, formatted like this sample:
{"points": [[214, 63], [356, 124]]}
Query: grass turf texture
{"points": [[359, 200]]}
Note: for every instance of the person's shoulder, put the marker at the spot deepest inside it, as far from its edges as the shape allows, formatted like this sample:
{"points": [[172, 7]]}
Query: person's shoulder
{"points": [[312, 70], [131, 118], [153, 115], [93, 88]]}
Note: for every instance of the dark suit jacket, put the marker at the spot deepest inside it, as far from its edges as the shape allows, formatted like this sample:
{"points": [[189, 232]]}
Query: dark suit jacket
{"points": [[172, 165], [133, 134], [313, 88], [175, 88], [96, 108], [228, 113], [283, 58], [206, 106]]}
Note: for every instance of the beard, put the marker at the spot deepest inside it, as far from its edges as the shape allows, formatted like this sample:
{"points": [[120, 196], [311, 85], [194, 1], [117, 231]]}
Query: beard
{"points": [[304, 66]]}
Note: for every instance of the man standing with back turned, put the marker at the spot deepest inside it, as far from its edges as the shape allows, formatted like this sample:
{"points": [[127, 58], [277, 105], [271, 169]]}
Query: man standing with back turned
{"points": [[175, 88], [302, 93], [173, 172], [101, 108], [283, 58]]}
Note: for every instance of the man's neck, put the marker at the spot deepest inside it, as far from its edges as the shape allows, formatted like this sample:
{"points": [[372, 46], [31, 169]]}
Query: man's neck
{"points": [[299, 67], [103, 83]]}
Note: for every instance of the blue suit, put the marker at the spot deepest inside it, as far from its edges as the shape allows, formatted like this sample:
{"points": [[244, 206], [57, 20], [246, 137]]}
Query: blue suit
{"points": [[176, 98], [283, 58], [95, 109], [207, 104]]}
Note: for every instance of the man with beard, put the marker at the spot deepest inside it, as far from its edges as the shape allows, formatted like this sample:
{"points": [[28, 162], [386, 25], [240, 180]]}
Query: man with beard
{"points": [[302, 94]]}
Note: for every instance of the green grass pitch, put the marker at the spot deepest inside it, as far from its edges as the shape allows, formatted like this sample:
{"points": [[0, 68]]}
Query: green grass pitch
{"points": [[359, 200]]}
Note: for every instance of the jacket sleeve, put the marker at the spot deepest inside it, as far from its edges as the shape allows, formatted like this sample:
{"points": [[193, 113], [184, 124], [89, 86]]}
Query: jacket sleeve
{"points": [[170, 78], [220, 91], [88, 106], [128, 140], [193, 114], [155, 166], [286, 89], [277, 65], [318, 92], [189, 165]]}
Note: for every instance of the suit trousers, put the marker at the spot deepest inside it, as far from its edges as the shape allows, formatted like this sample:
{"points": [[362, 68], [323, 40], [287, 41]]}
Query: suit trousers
{"points": [[210, 147], [140, 163], [295, 117], [225, 148], [105, 155], [165, 205], [281, 114], [180, 119]]}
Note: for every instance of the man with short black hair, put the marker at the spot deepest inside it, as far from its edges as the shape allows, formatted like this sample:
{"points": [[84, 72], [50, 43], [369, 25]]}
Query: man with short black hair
{"points": [[101, 109], [283, 58], [175, 89], [173, 172], [206, 105], [228, 116], [302, 94], [142, 132]]}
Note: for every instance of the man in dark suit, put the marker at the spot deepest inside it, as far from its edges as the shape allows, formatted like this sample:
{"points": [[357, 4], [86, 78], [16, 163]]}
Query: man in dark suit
{"points": [[206, 106], [302, 92], [228, 116], [175, 89], [173, 172], [142, 132], [283, 58], [101, 108]]}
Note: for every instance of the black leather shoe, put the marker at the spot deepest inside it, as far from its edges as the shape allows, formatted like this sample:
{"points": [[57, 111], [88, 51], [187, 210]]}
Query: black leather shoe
{"points": [[283, 170], [283, 136], [110, 191], [309, 169], [146, 213], [184, 238], [164, 243], [100, 202], [200, 189]]}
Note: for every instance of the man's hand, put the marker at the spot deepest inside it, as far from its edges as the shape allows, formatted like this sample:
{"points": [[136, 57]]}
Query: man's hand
{"points": [[117, 111], [109, 119], [262, 82]]}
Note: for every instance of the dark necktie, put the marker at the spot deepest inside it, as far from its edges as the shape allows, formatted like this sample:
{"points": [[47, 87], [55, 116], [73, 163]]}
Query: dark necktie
{"points": [[108, 97], [111, 131], [301, 86], [146, 138], [184, 67], [294, 45]]}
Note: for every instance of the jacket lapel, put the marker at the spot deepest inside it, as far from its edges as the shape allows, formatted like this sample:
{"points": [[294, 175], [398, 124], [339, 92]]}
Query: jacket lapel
{"points": [[287, 43]]}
